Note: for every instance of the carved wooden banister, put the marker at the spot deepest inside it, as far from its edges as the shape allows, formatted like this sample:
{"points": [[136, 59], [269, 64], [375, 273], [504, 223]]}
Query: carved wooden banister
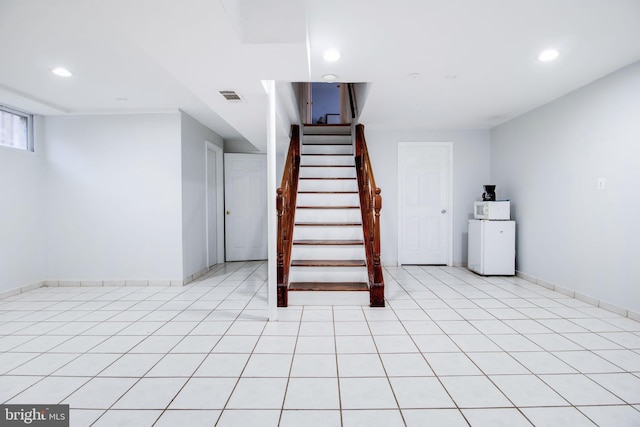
{"points": [[370, 205], [285, 207]]}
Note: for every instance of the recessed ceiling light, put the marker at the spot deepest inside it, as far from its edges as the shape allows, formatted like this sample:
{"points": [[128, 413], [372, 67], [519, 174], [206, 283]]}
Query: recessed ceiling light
{"points": [[548, 55], [331, 55], [62, 72], [329, 78]]}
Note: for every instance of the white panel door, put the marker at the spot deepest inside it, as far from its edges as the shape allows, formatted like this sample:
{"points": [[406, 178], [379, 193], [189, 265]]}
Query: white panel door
{"points": [[424, 211], [245, 189]]}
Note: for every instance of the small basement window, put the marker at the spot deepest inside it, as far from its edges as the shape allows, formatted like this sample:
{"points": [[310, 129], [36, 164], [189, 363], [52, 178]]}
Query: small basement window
{"points": [[16, 129]]}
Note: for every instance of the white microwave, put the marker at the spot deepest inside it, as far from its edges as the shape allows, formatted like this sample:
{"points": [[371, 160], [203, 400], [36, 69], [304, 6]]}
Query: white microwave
{"points": [[492, 210]]}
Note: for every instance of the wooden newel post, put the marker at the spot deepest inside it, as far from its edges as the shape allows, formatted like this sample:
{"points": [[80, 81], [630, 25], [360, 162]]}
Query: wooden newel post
{"points": [[280, 249], [377, 291], [281, 289], [377, 205]]}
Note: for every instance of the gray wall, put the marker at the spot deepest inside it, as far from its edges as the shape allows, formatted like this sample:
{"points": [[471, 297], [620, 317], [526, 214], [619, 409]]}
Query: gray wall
{"points": [[113, 197], [22, 255], [548, 162], [194, 187], [109, 197]]}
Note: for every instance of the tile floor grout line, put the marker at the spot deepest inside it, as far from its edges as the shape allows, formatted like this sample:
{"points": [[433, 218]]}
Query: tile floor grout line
{"points": [[335, 349], [495, 385], [201, 362], [594, 347], [293, 357], [224, 408], [148, 370], [386, 374], [430, 366]]}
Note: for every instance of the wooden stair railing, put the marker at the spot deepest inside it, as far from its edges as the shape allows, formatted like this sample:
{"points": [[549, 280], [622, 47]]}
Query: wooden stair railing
{"points": [[286, 208], [370, 205]]}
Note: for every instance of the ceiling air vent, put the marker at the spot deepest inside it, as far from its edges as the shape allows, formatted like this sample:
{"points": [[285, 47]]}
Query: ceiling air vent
{"points": [[231, 95]]}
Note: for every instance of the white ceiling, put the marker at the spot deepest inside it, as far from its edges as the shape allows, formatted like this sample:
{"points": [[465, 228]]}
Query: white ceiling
{"points": [[476, 60]]}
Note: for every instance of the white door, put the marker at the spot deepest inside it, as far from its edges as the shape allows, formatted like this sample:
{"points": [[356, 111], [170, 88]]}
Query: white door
{"points": [[215, 204], [245, 190], [424, 211]]}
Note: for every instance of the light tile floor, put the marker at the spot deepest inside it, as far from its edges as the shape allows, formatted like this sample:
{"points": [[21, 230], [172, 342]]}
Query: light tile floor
{"points": [[451, 348]]}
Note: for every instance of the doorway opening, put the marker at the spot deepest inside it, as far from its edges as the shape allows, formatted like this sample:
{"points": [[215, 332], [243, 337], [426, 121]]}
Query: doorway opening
{"points": [[325, 103], [330, 103]]}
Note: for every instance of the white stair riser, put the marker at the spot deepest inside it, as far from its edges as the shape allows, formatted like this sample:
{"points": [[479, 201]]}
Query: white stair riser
{"points": [[325, 129], [328, 199], [328, 274], [321, 144], [327, 233], [326, 139], [327, 172], [327, 160], [327, 185], [328, 215], [326, 149], [334, 252], [352, 298]]}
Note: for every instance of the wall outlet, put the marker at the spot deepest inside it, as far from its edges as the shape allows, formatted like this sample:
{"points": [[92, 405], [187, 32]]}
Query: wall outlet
{"points": [[602, 182]]}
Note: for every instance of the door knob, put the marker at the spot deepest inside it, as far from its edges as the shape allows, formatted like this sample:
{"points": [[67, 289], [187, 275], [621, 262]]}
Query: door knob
{"points": [[228, 212], [443, 211]]}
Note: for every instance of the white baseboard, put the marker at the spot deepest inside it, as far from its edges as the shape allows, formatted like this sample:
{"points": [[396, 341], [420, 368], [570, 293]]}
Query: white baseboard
{"points": [[109, 283], [88, 283], [16, 291], [195, 276], [582, 297], [97, 283], [104, 283]]}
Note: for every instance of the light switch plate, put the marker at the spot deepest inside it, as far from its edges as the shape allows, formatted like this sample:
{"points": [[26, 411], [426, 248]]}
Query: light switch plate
{"points": [[602, 182]]}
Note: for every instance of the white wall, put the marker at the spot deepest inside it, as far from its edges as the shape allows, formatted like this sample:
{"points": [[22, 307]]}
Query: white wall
{"points": [[548, 162], [22, 256], [470, 172], [194, 187], [113, 197]]}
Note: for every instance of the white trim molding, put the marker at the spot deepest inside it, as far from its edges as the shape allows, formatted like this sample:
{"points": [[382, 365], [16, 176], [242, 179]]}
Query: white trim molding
{"points": [[580, 296]]}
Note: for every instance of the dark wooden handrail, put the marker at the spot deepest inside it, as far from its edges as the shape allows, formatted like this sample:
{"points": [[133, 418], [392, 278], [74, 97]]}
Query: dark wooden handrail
{"points": [[286, 207], [370, 205], [352, 101]]}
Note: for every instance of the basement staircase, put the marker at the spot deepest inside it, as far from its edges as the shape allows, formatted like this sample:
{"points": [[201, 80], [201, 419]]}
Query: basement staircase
{"points": [[328, 259]]}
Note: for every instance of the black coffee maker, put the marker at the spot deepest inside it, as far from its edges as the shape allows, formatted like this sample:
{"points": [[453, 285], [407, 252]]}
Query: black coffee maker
{"points": [[489, 194]]}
